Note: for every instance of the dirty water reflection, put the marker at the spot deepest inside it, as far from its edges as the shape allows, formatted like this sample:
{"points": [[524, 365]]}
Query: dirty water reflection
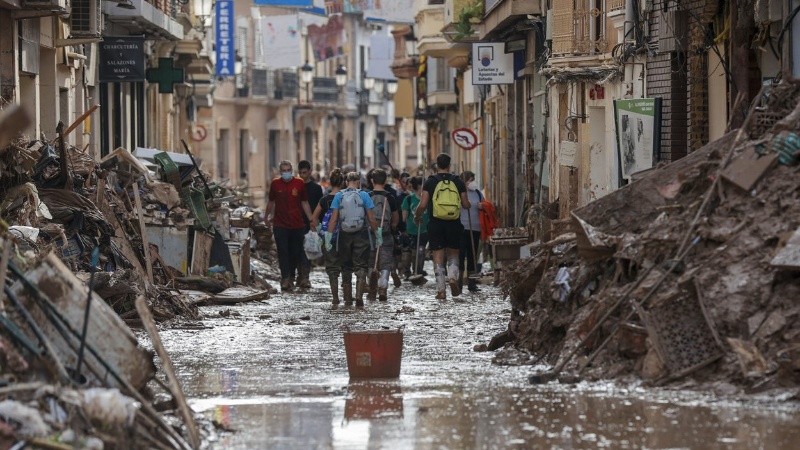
{"points": [[277, 374]]}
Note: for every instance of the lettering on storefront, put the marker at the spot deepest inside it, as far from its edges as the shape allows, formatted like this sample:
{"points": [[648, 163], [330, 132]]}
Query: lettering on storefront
{"points": [[122, 59]]}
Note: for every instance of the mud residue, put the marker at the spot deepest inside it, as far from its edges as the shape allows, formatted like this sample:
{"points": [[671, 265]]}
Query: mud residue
{"points": [[619, 256]]}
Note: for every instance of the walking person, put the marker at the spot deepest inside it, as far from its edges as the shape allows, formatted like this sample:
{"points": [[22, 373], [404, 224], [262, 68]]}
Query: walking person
{"points": [[333, 264], [444, 194], [417, 233], [314, 193], [470, 220], [353, 215], [387, 216], [286, 205]]}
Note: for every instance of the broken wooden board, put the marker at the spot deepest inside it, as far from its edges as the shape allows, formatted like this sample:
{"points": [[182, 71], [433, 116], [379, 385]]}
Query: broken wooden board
{"points": [[201, 252], [789, 256], [106, 333], [238, 294], [195, 297], [174, 385], [748, 168]]}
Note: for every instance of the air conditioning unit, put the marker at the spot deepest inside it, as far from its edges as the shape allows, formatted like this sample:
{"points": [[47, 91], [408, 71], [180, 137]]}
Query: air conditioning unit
{"points": [[86, 19], [49, 5]]}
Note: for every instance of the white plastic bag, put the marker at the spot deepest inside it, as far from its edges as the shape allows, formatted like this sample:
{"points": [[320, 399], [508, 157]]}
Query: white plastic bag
{"points": [[312, 246]]}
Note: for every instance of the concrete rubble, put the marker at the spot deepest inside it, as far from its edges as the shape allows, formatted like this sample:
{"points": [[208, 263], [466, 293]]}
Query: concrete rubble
{"points": [[76, 277], [688, 276]]}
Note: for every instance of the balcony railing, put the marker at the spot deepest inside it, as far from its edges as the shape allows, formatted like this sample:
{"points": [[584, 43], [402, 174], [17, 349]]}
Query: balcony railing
{"points": [[324, 90], [615, 5], [273, 84], [579, 31]]}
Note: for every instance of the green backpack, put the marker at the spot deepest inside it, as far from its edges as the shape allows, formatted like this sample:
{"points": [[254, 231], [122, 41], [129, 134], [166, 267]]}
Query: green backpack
{"points": [[446, 200]]}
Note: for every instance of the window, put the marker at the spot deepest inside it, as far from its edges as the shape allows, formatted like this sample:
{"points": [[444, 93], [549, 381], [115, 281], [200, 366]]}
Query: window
{"points": [[273, 150]]}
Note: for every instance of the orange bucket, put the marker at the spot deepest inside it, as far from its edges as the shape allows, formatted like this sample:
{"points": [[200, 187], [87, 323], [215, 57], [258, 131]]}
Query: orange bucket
{"points": [[373, 354]]}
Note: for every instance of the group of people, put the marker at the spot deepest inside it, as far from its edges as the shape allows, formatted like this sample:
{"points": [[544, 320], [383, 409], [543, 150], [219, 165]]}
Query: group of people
{"points": [[375, 231]]}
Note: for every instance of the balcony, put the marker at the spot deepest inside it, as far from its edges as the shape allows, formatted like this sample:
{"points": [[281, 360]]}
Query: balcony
{"points": [[273, 84], [499, 14], [148, 17], [579, 32], [430, 21]]}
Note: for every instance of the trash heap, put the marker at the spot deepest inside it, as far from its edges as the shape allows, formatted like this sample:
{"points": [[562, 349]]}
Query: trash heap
{"points": [[689, 275], [76, 275]]}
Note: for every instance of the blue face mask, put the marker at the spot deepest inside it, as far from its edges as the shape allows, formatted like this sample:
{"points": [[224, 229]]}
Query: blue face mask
{"points": [[286, 176]]}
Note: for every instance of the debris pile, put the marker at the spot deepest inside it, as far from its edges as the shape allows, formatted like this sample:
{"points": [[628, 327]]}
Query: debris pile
{"points": [[690, 273], [90, 248]]}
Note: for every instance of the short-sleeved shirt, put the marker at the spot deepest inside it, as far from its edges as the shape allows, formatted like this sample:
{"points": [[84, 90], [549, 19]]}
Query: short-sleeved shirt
{"points": [[287, 196], [410, 204], [325, 203], [430, 187], [314, 191], [337, 200]]}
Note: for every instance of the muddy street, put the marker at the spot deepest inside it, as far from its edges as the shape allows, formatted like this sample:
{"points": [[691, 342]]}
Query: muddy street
{"points": [[275, 372]]}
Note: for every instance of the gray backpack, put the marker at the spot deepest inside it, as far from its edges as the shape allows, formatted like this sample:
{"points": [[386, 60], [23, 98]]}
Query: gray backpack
{"points": [[352, 214]]}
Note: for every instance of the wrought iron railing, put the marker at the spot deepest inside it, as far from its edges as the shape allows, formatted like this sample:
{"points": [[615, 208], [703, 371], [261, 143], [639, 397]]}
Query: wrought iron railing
{"points": [[579, 31]]}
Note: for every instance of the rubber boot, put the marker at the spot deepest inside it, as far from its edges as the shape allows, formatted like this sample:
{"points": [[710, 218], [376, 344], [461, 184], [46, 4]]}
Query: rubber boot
{"points": [[361, 286], [452, 277], [347, 289], [441, 284], [286, 285], [372, 289], [303, 274], [383, 285], [405, 263], [396, 278], [334, 279], [472, 285]]}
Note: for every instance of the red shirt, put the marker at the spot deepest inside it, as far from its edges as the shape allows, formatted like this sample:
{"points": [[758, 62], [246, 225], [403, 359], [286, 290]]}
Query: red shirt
{"points": [[287, 196]]}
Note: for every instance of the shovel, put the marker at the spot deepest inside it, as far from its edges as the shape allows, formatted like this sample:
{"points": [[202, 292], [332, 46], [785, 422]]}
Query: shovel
{"points": [[417, 279], [373, 276]]}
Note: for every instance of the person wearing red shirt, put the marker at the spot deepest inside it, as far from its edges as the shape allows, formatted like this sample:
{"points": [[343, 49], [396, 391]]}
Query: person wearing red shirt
{"points": [[286, 204]]}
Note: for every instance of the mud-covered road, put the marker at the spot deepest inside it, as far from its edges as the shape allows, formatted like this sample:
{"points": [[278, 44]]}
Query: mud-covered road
{"points": [[275, 372]]}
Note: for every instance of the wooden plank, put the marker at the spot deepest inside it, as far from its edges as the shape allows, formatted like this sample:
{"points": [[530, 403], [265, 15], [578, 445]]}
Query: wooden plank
{"points": [[173, 383], [145, 244], [120, 237], [748, 168], [789, 256], [107, 333], [201, 252]]}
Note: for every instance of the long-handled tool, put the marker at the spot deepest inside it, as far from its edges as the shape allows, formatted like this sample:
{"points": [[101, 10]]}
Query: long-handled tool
{"points": [[417, 279], [474, 274], [208, 192], [373, 276], [95, 260]]}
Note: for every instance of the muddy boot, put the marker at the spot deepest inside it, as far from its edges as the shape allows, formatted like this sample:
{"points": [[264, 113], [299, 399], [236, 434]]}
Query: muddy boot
{"points": [[396, 279], [452, 280], [286, 285], [373, 286], [303, 281], [334, 279], [347, 290], [361, 286], [383, 285], [472, 285], [441, 284]]}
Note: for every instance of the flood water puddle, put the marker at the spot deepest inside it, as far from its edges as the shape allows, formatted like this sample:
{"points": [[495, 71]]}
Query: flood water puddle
{"points": [[277, 375]]}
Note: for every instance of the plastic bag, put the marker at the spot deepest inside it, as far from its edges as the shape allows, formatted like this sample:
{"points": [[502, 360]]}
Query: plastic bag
{"points": [[312, 246]]}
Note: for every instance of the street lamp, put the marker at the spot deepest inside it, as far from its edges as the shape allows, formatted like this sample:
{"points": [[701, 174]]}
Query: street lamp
{"points": [[391, 87], [307, 73], [379, 87], [411, 44], [369, 83], [341, 75]]}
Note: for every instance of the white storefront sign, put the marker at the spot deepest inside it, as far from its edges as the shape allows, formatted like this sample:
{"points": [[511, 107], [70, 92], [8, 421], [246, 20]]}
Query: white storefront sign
{"points": [[491, 64]]}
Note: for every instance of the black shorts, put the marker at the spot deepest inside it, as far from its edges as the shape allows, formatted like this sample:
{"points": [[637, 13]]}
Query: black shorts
{"points": [[444, 234]]}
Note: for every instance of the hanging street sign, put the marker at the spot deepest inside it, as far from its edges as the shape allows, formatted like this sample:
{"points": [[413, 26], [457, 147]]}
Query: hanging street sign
{"points": [[491, 64], [121, 59], [465, 138], [223, 30]]}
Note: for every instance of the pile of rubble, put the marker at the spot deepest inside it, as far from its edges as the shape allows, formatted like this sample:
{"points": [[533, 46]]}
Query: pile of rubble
{"points": [[90, 248], [688, 275]]}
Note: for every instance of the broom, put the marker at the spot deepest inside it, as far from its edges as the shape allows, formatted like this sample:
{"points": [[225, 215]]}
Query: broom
{"points": [[417, 279]]}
